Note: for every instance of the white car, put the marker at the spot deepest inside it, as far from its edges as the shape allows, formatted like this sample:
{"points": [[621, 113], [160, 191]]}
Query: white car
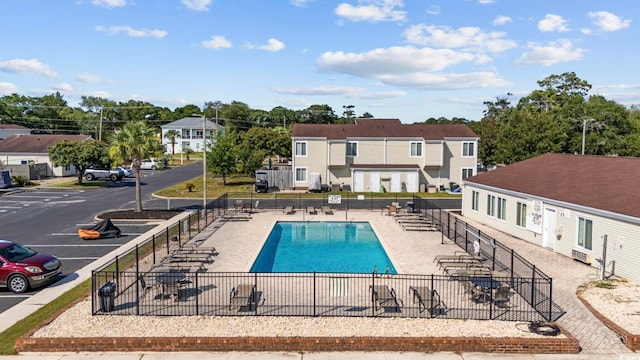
{"points": [[152, 164], [128, 172]]}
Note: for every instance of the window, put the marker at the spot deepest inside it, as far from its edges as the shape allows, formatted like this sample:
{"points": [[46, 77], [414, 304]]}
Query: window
{"points": [[301, 148], [502, 208], [197, 134], [521, 214], [467, 172], [185, 134], [301, 174], [585, 233], [468, 149], [416, 149], [475, 199], [352, 149], [491, 205]]}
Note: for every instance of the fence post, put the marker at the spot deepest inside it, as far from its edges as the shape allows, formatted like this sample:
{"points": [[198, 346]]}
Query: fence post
{"points": [[117, 273], [314, 294], [255, 299], [533, 287], [136, 280], [189, 223], [550, 300], [373, 283], [166, 233], [93, 292], [153, 245], [431, 299], [197, 295]]}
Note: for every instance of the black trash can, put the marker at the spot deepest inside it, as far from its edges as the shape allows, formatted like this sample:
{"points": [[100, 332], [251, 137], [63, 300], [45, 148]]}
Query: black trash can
{"points": [[409, 208], [107, 294]]}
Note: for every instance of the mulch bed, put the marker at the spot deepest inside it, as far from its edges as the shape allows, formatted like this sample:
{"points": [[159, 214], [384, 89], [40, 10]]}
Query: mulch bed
{"points": [[144, 215]]}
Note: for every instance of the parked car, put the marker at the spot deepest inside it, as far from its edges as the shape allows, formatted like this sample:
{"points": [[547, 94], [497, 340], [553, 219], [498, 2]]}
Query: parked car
{"points": [[128, 172], [22, 268], [94, 173], [152, 164]]}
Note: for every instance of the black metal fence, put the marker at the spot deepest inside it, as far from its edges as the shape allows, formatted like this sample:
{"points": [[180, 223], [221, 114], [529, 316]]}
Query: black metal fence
{"points": [[316, 294], [130, 285], [500, 257]]}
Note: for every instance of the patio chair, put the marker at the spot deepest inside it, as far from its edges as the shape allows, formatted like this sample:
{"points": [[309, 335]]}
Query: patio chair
{"points": [[427, 299], [146, 288], [392, 210], [312, 210], [383, 297], [289, 210], [501, 295], [244, 297], [327, 210], [238, 205]]}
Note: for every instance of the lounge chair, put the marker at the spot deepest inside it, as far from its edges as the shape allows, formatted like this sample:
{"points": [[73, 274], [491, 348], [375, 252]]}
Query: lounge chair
{"points": [[312, 210], [392, 210], [244, 297], [383, 297], [501, 295], [289, 210], [427, 299], [327, 210], [238, 205]]}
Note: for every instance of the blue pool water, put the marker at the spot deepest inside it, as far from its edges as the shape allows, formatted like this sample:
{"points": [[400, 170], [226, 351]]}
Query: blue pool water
{"points": [[341, 247]]}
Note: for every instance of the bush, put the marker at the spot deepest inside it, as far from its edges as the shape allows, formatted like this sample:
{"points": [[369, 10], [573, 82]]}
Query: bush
{"points": [[21, 181], [190, 186]]}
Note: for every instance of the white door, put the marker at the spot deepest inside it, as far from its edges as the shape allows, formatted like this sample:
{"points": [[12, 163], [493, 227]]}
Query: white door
{"points": [[549, 229], [412, 182], [395, 182], [374, 181], [358, 181]]}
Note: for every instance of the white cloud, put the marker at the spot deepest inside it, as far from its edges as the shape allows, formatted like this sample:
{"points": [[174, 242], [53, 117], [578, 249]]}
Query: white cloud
{"points": [[607, 21], [586, 31], [109, 4], [300, 3], [8, 88], [197, 5], [377, 62], [372, 10], [65, 87], [501, 20], [464, 38], [273, 45], [555, 52], [131, 32], [486, 2], [88, 78], [216, 42], [553, 23], [433, 10], [26, 66], [428, 81], [345, 91]]}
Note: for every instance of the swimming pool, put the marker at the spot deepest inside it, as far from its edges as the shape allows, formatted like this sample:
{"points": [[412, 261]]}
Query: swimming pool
{"points": [[327, 246]]}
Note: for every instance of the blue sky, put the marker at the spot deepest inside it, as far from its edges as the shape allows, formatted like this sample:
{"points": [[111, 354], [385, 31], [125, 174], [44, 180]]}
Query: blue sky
{"points": [[411, 59]]}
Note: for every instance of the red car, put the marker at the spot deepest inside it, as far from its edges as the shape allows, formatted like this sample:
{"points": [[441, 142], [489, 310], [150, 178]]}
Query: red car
{"points": [[22, 268]]}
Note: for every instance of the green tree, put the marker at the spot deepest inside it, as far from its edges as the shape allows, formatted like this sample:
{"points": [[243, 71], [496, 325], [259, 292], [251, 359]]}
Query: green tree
{"points": [[79, 155], [222, 155], [135, 141], [172, 135]]}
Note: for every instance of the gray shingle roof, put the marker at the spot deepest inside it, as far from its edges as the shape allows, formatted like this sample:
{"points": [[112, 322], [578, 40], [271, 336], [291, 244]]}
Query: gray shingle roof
{"points": [[598, 182], [379, 128], [190, 122], [35, 143]]}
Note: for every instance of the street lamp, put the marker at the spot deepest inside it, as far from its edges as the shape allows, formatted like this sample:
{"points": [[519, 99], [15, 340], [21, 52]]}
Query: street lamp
{"points": [[584, 132]]}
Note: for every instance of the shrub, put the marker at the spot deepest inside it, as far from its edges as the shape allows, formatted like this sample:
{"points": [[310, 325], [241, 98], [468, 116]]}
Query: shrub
{"points": [[21, 181], [190, 186]]}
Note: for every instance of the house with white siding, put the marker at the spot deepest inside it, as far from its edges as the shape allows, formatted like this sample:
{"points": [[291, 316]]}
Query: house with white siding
{"points": [[582, 206], [376, 155], [34, 149], [192, 133]]}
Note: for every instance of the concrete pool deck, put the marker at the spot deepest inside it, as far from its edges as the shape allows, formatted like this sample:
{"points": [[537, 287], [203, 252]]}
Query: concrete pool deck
{"points": [[411, 252]]}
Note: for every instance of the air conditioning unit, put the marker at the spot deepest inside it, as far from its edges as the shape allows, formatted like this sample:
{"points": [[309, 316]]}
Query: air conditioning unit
{"points": [[581, 255]]}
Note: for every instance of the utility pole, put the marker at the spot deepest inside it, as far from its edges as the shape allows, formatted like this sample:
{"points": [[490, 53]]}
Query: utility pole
{"points": [[204, 163], [584, 132], [100, 128]]}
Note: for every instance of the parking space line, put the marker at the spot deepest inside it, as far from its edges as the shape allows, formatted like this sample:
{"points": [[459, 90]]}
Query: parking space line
{"points": [[78, 258]]}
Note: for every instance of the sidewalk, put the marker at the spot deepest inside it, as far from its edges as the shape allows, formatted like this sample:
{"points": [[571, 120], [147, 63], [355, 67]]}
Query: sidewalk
{"points": [[311, 356]]}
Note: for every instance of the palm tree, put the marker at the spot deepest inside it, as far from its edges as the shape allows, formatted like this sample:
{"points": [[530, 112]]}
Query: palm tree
{"points": [[172, 135], [136, 141]]}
